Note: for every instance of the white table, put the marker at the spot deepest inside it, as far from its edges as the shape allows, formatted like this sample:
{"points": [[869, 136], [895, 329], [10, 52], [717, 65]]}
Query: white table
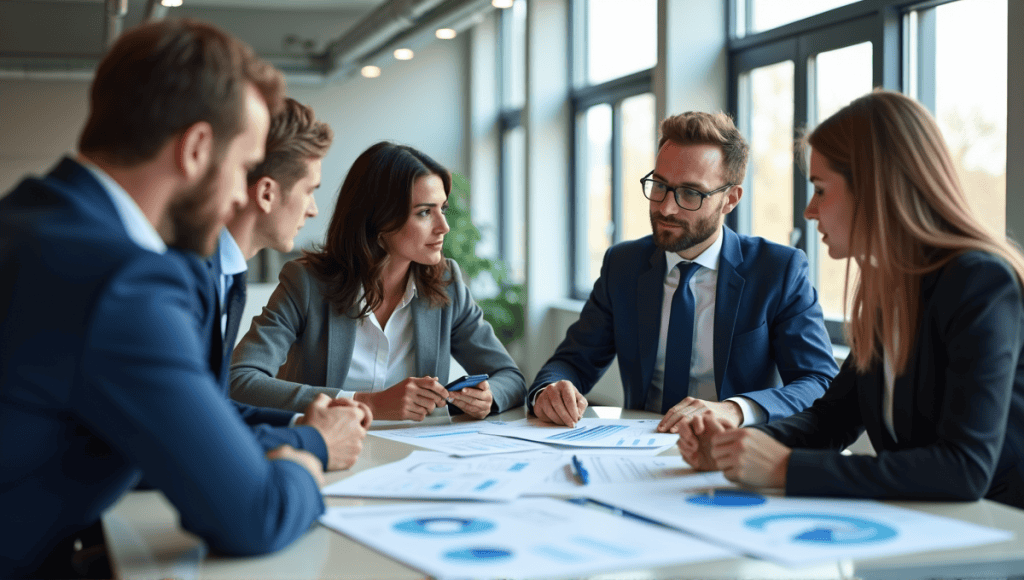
{"points": [[146, 541]]}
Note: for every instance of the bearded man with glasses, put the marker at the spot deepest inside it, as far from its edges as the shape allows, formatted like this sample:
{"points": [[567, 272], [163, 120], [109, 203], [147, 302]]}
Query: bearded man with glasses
{"points": [[703, 320]]}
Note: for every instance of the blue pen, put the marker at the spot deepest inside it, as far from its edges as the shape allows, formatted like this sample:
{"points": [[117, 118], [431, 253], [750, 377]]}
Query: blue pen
{"points": [[581, 471]]}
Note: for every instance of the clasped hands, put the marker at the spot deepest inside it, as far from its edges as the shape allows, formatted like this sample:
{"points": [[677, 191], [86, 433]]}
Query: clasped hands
{"points": [[342, 423], [746, 456], [415, 397]]}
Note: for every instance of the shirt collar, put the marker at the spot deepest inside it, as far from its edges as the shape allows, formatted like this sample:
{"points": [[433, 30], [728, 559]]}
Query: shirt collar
{"points": [[708, 258], [231, 259], [135, 223]]}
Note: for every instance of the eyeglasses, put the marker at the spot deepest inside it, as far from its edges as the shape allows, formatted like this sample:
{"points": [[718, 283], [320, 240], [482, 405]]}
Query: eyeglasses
{"points": [[686, 197]]}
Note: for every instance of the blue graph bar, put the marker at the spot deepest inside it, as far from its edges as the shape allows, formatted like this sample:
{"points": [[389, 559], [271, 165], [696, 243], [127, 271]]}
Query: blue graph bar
{"points": [[589, 434], [486, 484]]}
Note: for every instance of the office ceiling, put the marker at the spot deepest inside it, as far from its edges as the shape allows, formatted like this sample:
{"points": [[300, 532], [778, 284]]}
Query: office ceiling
{"points": [[65, 38]]}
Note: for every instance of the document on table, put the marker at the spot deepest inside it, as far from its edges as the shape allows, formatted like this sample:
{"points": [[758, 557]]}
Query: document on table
{"points": [[430, 475], [461, 439], [618, 433], [527, 538], [788, 530], [604, 469]]}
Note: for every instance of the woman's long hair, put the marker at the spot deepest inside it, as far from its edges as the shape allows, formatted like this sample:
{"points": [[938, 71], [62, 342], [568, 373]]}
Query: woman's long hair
{"points": [[374, 200], [911, 217]]}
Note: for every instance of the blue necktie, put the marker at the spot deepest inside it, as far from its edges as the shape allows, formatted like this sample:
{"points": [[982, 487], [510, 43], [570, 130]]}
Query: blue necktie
{"points": [[679, 349], [235, 306]]}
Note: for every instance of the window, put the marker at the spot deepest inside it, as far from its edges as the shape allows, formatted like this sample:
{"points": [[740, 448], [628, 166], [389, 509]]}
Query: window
{"points": [[512, 189], [616, 132], [803, 64]]}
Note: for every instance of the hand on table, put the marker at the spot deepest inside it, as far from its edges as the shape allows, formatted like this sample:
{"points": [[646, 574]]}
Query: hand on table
{"points": [[751, 457], [303, 458], [346, 402], [689, 407], [341, 426], [560, 403], [474, 401], [695, 440], [413, 398]]}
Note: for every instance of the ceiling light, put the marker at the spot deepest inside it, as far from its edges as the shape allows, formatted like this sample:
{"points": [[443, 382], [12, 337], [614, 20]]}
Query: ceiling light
{"points": [[445, 33], [171, 3], [502, 3], [403, 54], [371, 72]]}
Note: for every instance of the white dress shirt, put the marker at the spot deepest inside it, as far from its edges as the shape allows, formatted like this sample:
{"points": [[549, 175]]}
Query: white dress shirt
{"points": [[383, 357], [703, 284], [135, 222]]}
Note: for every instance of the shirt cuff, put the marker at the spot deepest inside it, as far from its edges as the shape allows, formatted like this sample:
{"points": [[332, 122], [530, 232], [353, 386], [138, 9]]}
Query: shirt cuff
{"points": [[345, 394], [533, 401], [295, 418], [753, 414]]}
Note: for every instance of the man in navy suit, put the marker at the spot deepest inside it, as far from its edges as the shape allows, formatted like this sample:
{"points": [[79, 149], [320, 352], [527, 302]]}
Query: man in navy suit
{"points": [[104, 373], [701, 319]]}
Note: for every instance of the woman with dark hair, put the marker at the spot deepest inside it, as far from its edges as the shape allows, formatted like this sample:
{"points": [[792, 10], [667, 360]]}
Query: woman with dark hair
{"points": [[935, 372], [377, 312]]}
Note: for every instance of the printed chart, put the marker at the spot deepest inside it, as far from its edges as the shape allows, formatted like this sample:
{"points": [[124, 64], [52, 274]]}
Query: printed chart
{"points": [[462, 440], [791, 531], [430, 475], [616, 433], [537, 537]]}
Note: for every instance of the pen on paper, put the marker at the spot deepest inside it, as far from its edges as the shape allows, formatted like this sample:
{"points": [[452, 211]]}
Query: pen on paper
{"points": [[581, 471]]}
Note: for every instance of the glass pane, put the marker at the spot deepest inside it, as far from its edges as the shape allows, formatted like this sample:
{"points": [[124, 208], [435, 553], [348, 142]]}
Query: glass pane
{"points": [[622, 38], [639, 143], [840, 76], [771, 151], [595, 203], [513, 44], [514, 203], [766, 14], [970, 99]]}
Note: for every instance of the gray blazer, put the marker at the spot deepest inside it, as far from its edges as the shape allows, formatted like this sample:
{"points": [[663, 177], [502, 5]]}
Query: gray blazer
{"points": [[300, 346]]}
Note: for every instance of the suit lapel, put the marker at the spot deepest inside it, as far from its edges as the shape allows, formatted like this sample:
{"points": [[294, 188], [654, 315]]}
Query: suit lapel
{"points": [[728, 294], [426, 325], [650, 290], [341, 341]]}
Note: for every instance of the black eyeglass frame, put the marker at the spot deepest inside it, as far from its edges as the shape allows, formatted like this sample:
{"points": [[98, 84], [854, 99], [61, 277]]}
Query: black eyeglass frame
{"points": [[676, 193]]}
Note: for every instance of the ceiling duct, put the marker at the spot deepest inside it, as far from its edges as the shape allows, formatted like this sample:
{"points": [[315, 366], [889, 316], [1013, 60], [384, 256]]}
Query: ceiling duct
{"points": [[116, 9]]}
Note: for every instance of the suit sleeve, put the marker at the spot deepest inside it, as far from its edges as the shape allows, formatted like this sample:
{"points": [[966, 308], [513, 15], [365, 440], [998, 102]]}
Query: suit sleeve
{"points": [[149, 393], [589, 345], [800, 346], [264, 349], [478, 350], [980, 317]]}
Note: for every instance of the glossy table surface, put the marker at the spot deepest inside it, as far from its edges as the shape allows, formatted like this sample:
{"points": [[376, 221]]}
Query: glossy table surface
{"points": [[145, 540]]}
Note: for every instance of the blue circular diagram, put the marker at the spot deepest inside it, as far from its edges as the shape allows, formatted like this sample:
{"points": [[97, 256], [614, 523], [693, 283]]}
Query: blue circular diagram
{"points": [[479, 555], [443, 526], [831, 529], [727, 498]]}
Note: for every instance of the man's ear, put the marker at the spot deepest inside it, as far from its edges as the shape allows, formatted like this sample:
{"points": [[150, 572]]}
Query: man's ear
{"points": [[268, 192], [732, 198], [195, 150]]}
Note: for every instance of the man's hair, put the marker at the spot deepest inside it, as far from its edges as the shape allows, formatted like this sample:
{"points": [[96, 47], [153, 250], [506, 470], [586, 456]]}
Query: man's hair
{"points": [[696, 128], [295, 137], [161, 78]]}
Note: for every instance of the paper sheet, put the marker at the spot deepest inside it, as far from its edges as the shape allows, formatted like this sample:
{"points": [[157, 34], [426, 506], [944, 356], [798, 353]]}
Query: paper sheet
{"points": [[460, 439], [617, 433], [605, 469], [791, 531], [430, 475], [528, 538]]}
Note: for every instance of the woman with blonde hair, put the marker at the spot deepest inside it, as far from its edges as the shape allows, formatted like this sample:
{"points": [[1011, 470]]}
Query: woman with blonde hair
{"points": [[935, 373]]}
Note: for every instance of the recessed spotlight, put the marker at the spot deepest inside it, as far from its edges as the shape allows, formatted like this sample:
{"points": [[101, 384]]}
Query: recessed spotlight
{"points": [[171, 3], [403, 54], [370, 71], [445, 33], [502, 3]]}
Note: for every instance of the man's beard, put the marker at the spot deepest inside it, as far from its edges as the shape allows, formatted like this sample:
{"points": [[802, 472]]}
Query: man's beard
{"points": [[195, 218], [688, 237]]}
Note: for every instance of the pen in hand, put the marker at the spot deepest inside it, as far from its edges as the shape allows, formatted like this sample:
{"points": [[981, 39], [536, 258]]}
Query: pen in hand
{"points": [[581, 471]]}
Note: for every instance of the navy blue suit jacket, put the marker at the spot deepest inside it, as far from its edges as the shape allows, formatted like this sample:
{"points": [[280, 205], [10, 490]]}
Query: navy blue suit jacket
{"points": [[104, 377], [958, 409], [767, 317]]}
